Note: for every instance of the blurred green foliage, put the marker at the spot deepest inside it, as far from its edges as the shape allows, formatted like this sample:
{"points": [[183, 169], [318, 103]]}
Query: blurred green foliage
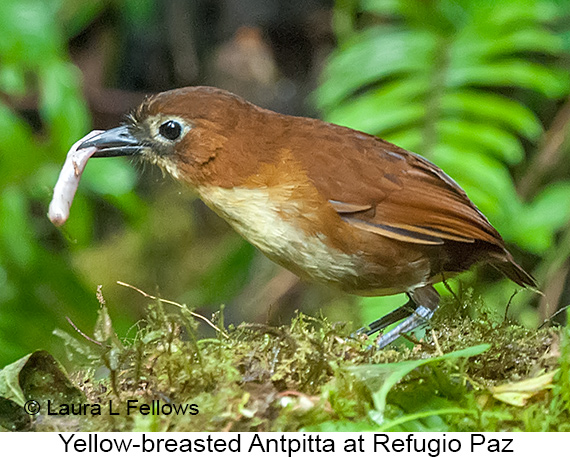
{"points": [[37, 286], [48, 274], [467, 84]]}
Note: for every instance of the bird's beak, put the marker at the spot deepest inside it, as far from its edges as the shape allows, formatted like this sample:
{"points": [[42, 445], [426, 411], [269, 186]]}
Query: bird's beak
{"points": [[113, 143]]}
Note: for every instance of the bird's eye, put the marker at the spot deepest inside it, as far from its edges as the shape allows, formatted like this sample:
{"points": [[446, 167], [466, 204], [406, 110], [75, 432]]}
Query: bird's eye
{"points": [[170, 130]]}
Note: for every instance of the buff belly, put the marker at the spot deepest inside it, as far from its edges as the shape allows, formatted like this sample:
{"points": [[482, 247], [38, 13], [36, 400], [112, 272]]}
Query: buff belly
{"points": [[258, 218]]}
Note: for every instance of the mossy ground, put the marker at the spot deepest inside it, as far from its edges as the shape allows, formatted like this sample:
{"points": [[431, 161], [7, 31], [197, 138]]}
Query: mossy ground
{"points": [[309, 376]]}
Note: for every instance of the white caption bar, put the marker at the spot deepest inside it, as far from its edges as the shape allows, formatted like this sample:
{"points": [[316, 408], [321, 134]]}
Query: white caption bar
{"points": [[281, 444]]}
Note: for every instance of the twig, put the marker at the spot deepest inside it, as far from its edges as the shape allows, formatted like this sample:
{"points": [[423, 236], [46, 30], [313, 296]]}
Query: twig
{"points": [[88, 338], [547, 321], [554, 288], [449, 289], [170, 302], [509, 305], [548, 154], [436, 342]]}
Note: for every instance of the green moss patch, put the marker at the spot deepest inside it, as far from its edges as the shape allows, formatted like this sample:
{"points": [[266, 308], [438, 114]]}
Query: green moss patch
{"points": [[466, 374]]}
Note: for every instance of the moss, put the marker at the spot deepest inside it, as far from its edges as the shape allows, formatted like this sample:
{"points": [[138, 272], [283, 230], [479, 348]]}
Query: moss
{"points": [[301, 376]]}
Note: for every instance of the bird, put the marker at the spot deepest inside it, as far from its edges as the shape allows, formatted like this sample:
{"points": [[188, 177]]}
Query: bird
{"points": [[334, 205]]}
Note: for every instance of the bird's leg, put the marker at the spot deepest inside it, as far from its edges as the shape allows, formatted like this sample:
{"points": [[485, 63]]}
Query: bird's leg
{"points": [[420, 316], [397, 315], [420, 308]]}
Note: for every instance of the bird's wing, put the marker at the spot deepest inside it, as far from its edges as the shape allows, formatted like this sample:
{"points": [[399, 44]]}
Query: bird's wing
{"points": [[378, 187]]}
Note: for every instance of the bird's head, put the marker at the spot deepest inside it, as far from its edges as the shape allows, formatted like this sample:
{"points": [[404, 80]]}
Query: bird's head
{"points": [[184, 131]]}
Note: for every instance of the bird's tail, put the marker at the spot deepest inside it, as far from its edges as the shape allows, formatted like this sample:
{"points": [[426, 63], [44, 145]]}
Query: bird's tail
{"points": [[505, 263]]}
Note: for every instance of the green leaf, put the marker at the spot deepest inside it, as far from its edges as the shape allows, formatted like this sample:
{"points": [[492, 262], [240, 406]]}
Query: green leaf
{"points": [[492, 108], [388, 7], [376, 54], [341, 426], [18, 150], [62, 104], [532, 40], [12, 416], [36, 377], [394, 425], [42, 377], [482, 137], [77, 350], [29, 30], [12, 80], [367, 115], [77, 15], [472, 46], [16, 236], [103, 331], [510, 14], [551, 208], [543, 218], [395, 104], [9, 381], [511, 73], [382, 377]]}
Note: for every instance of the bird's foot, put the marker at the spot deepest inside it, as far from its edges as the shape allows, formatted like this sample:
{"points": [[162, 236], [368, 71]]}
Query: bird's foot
{"points": [[418, 317]]}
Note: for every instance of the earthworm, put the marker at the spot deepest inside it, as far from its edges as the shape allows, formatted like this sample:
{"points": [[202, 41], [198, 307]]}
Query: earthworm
{"points": [[68, 180]]}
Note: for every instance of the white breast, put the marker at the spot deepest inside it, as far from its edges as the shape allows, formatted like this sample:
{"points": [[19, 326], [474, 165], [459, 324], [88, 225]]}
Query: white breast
{"points": [[257, 217]]}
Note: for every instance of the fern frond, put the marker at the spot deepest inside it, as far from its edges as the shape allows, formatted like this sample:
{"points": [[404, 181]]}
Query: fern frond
{"points": [[450, 80]]}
